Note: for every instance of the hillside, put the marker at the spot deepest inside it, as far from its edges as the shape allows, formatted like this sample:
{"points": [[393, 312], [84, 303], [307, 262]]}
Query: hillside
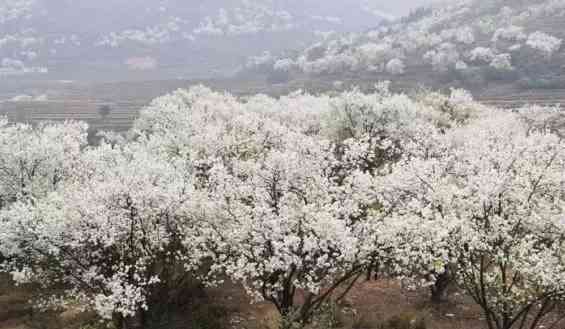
{"points": [[165, 39], [508, 53], [495, 48]]}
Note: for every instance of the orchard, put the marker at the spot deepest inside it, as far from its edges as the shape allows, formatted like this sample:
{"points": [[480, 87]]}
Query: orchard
{"points": [[303, 194]]}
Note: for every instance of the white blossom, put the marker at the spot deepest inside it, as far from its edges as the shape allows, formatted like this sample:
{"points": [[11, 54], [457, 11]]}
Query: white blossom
{"points": [[502, 62], [395, 66], [544, 43], [482, 54]]}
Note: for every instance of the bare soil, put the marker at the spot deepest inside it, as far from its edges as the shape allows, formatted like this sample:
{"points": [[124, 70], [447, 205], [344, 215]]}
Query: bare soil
{"points": [[368, 305]]}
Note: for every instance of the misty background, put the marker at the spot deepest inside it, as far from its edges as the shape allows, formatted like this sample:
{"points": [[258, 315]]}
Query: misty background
{"points": [[168, 39]]}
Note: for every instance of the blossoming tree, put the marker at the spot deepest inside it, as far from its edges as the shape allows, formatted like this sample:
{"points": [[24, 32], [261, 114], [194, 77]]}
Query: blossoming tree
{"points": [[34, 160], [110, 235], [494, 192]]}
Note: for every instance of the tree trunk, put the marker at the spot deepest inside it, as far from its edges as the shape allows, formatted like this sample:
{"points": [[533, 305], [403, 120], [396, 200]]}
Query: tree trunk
{"points": [[132, 322], [439, 289]]}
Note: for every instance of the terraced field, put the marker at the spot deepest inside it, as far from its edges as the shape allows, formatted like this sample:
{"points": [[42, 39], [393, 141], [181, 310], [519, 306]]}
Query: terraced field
{"points": [[81, 101], [120, 118], [545, 98]]}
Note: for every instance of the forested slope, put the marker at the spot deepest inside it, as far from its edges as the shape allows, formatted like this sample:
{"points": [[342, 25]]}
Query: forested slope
{"points": [[493, 47]]}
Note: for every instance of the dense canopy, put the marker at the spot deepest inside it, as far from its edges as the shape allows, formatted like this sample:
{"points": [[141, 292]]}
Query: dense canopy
{"points": [[302, 193]]}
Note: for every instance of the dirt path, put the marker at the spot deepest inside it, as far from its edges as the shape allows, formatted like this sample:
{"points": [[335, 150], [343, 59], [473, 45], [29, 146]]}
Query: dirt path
{"points": [[368, 306]]}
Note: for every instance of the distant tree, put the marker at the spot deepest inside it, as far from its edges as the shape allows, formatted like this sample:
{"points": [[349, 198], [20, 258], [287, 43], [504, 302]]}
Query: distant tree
{"points": [[481, 54], [104, 111], [544, 43], [395, 66], [92, 136], [502, 62], [285, 64], [465, 35]]}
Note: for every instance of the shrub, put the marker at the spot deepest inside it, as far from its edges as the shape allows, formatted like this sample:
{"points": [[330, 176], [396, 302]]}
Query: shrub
{"points": [[405, 320], [104, 111]]}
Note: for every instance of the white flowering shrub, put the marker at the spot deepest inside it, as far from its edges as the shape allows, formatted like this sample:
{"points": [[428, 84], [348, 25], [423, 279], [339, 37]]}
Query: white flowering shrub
{"points": [[481, 54], [251, 17], [297, 111], [14, 10], [461, 66], [544, 43], [443, 58], [502, 62], [465, 35], [395, 66], [284, 65], [203, 127], [510, 33], [375, 54]]}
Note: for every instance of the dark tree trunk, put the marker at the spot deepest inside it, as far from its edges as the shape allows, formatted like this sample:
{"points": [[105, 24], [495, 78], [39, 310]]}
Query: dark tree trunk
{"points": [[132, 322], [439, 289]]}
